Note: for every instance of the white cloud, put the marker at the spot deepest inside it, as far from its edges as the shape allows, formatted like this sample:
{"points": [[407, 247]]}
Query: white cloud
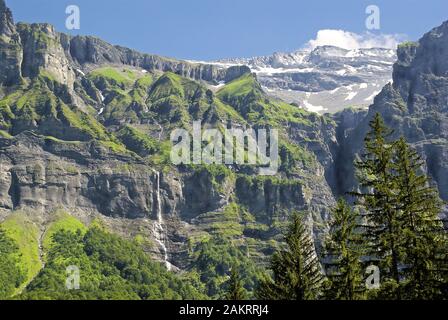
{"points": [[351, 40]]}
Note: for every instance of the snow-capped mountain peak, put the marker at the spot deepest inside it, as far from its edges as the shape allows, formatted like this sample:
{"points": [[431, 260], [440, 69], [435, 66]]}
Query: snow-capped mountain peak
{"points": [[325, 79]]}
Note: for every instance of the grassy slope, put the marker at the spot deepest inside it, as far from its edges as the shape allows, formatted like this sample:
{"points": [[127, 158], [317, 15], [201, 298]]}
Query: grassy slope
{"points": [[61, 221], [121, 76], [138, 141], [172, 90], [36, 103], [26, 234], [246, 95], [240, 87]]}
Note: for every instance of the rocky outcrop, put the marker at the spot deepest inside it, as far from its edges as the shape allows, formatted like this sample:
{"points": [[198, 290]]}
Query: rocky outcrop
{"points": [[46, 174], [29, 49], [10, 49], [7, 27], [44, 49], [264, 198], [90, 50]]}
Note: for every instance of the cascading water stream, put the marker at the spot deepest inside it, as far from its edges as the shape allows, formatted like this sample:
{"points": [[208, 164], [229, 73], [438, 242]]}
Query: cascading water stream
{"points": [[159, 231]]}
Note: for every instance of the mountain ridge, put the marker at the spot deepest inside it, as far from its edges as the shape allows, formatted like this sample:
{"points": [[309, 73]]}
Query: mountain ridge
{"points": [[323, 79], [80, 51]]}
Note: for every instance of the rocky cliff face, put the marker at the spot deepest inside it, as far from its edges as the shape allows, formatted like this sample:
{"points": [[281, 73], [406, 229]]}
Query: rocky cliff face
{"points": [[45, 49], [43, 174], [415, 106], [89, 50], [28, 48], [11, 53]]}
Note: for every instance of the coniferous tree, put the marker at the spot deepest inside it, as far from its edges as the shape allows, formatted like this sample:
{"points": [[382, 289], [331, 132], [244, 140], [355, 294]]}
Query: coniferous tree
{"points": [[235, 290], [296, 273], [424, 238], [403, 231], [444, 264], [377, 195], [343, 253]]}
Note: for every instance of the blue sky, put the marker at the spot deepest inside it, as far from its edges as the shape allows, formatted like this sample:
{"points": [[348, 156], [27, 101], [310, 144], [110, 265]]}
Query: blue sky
{"points": [[213, 29]]}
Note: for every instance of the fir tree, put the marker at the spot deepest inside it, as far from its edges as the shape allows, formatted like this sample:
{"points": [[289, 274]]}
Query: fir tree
{"points": [[343, 253], [378, 197], [424, 238], [235, 290], [403, 230], [295, 269]]}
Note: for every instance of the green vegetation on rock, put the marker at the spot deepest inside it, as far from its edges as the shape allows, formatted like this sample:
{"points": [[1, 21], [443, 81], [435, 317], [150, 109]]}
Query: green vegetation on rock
{"points": [[24, 232], [110, 268], [137, 141], [61, 220], [215, 258]]}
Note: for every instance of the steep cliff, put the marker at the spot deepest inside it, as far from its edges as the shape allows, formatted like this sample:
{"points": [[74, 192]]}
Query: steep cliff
{"points": [[10, 49], [414, 106]]}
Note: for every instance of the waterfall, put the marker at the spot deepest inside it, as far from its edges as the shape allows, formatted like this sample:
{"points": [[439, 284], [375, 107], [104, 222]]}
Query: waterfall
{"points": [[159, 231]]}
